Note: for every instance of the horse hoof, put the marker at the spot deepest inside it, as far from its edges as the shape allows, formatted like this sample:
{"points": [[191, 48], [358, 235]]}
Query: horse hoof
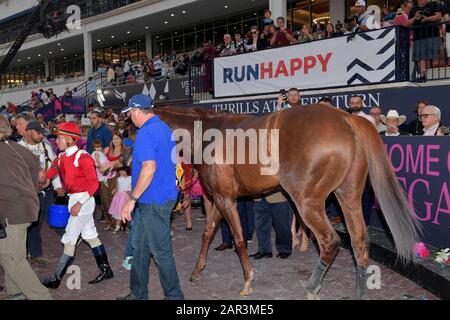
{"points": [[245, 293], [194, 279], [313, 296]]}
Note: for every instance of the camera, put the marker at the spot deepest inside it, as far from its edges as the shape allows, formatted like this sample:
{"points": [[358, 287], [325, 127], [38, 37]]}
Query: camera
{"points": [[283, 93], [445, 131], [2, 228]]}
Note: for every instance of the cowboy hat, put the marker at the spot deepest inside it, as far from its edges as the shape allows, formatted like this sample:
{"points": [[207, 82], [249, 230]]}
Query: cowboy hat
{"points": [[393, 114]]}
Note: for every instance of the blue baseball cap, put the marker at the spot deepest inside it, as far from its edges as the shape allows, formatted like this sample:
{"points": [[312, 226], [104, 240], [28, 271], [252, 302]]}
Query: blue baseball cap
{"points": [[139, 101]]}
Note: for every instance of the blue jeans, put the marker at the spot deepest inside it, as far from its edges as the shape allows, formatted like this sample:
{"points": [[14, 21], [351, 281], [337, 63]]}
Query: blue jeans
{"points": [[34, 241], [280, 216], [151, 239], [129, 247]]}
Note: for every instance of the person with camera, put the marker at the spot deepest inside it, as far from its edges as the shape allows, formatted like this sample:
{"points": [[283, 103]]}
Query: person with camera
{"points": [[254, 40], [282, 35], [424, 19], [362, 16], [288, 100], [19, 207]]}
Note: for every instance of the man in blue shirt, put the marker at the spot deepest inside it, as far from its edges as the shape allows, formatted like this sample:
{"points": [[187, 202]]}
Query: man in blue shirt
{"points": [[98, 131], [154, 195]]}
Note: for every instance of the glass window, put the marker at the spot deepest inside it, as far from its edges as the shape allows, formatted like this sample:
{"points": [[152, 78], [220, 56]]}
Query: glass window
{"points": [[189, 42], [178, 44], [320, 11], [134, 55], [218, 34], [108, 56], [209, 35], [299, 14], [166, 46], [156, 48], [199, 39]]}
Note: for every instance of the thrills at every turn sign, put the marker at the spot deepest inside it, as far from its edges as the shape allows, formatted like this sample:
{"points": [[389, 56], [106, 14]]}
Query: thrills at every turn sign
{"points": [[326, 63]]}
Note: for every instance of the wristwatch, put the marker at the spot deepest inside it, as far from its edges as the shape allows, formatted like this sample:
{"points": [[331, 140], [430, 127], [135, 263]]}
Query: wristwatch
{"points": [[133, 198]]}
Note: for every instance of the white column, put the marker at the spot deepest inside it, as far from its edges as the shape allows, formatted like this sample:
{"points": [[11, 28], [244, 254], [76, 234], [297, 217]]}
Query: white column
{"points": [[337, 11], [148, 45], [278, 8], [88, 63]]}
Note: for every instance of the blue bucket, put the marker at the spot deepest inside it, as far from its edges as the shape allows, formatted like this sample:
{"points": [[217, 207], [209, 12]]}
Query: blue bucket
{"points": [[58, 216]]}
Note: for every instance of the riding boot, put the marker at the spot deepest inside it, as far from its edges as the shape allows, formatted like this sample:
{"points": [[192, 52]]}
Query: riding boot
{"points": [[103, 264], [55, 280]]}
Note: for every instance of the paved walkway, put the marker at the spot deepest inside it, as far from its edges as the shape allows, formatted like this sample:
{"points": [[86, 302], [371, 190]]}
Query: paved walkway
{"points": [[222, 278]]}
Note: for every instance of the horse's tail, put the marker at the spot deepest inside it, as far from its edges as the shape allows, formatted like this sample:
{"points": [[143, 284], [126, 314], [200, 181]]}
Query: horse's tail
{"points": [[392, 198]]}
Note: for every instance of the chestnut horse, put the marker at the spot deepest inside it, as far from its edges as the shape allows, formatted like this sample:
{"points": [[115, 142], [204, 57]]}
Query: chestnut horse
{"points": [[322, 150]]}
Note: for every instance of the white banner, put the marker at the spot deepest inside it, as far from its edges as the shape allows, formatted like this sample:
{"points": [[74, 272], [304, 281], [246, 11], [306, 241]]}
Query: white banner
{"points": [[364, 58]]}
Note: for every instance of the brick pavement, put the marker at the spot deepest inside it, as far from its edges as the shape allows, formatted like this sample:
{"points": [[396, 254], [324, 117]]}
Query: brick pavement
{"points": [[222, 278]]}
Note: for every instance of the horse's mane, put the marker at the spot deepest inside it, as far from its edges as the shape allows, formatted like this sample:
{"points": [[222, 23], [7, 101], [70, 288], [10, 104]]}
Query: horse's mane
{"points": [[203, 113]]}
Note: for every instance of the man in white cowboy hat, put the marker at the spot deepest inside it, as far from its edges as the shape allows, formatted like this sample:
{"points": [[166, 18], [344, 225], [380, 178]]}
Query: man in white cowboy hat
{"points": [[392, 121]]}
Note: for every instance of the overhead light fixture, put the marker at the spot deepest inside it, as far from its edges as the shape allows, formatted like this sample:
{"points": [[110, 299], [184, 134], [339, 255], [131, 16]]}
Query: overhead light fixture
{"points": [[172, 15], [29, 58], [112, 37], [147, 28], [166, 22], [59, 44], [62, 49], [39, 55], [19, 60], [50, 52], [226, 7], [128, 32], [98, 40], [183, 11]]}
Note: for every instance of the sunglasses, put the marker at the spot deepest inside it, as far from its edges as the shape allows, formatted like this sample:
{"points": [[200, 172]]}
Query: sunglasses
{"points": [[424, 115]]}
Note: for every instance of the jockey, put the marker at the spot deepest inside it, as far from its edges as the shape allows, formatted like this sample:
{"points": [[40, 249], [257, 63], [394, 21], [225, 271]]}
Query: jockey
{"points": [[77, 170]]}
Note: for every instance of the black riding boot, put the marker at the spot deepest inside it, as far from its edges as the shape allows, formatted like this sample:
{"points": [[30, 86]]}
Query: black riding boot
{"points": [[103, 265], [55, 280]]}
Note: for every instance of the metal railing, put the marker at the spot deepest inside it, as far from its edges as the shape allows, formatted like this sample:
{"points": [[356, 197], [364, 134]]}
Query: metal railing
{"points": [[200, 81], [430, 52], [89, 8]]}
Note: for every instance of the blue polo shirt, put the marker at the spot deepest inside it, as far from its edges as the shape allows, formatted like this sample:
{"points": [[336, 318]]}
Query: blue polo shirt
{"points": [[154, 142], [102, 133]]}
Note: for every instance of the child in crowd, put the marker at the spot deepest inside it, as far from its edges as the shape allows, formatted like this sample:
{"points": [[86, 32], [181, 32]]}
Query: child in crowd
{"points": [[100, 160], [121, 195]]}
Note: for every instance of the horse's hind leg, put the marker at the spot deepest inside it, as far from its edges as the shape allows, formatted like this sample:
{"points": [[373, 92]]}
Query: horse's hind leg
{"points": [[211, 227], [349, 196], [312, 211]]}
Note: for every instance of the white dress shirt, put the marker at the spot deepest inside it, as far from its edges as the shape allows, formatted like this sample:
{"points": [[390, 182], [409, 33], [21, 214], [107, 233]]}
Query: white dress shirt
{"points": [[431, 131]]}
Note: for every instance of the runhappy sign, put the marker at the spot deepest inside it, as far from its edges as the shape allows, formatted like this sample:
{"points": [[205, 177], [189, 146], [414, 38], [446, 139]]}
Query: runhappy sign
{"points": [[363, 58]]}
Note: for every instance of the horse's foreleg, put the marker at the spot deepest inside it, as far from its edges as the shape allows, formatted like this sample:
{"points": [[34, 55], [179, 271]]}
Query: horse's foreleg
{"points": [[304, 239], [211, 227], [241, 248]]}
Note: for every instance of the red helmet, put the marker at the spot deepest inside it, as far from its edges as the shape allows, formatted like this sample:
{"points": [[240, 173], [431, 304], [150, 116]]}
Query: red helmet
{"points": [[69, 129]]}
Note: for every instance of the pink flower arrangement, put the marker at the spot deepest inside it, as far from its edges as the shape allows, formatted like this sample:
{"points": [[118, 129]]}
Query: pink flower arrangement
{"points": [[421, 250]]}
